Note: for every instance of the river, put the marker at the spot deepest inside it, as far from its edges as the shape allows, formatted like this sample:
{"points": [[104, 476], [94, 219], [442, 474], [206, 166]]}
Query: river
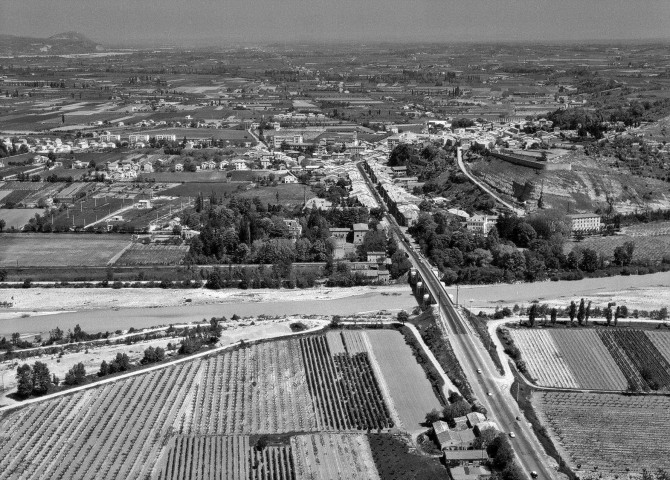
{"points": [[102, 320], [480, 296]]}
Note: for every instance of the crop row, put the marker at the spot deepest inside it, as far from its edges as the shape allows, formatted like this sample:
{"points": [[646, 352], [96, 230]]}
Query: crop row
{"points": [[257, 389], [612, 433], [345, 392]]}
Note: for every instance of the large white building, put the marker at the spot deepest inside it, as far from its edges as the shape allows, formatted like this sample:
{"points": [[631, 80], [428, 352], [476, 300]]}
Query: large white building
{"points": [[585, 222]]}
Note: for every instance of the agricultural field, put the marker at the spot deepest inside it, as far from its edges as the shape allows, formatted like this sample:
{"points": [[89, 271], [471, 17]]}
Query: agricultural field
{"points": [[602, 359], [638, 358], [543, 359], [333, 457], [661, 341], [589, 361], [18, 217], [411, 392], [162, 210], [59, 249], [291, 194], [152, 254], [647, 229], [652, 248], [193, 189], [227, 457], [198, 419], [395, 461], [607, 435]]}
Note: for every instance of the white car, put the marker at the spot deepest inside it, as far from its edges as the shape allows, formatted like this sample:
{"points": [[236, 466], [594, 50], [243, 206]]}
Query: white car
{"points": [[512, 435], [489, 394], [479, 370]]}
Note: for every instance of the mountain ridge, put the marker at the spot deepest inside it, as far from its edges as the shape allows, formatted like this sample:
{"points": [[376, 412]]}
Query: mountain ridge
{"points": [[58, 44]]}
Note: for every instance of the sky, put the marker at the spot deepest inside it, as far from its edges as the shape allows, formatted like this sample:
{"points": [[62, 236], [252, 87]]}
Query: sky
{"points": [[215, 22]]}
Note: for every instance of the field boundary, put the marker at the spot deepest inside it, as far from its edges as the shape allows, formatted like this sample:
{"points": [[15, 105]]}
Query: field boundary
{"points": [[114, 258]]}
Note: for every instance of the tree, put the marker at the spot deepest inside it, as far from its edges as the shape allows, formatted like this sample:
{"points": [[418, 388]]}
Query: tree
{"points": [[485, 438], [104, 369], [432, 416], [3, 224], [153, 355], [403, 316], [24, 380], [572, 311], [608, 315], [581, 312], [554, 314], [41, 378], [76, 375], [15, 338], [532, 314], [617, 314], [587, 313]]}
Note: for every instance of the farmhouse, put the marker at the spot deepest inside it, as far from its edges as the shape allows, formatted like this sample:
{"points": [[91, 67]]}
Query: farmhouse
{"points": [[468, 472], [360, 229], [453, 439]]}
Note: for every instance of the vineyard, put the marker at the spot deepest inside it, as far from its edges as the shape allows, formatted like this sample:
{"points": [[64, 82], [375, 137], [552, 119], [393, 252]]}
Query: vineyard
{"points": [[333, 457], [225, 457], [258, 389], [603, 359], [543, 359], [194, 419], [638, 358], [345, 391], [606, 434], [139, 254]]}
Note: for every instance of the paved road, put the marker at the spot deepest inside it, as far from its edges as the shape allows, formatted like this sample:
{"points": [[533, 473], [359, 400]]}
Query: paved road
{"points": [[461, 165], [501, 406]]}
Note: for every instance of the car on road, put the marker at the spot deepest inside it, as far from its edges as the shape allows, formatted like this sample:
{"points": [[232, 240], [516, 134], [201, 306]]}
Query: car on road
{"points": [[489, 394], [533, 474], [479, 370], [512, 435]]}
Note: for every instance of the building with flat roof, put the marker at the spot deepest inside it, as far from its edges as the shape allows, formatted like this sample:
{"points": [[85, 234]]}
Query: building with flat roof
{"points": [[585, 222]]}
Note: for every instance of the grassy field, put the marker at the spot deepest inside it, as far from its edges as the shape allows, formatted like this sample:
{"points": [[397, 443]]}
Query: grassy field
{"points": [[607, 435], [408, 386], [17, 217], [139, 254], [47, 250], [186, 177]]}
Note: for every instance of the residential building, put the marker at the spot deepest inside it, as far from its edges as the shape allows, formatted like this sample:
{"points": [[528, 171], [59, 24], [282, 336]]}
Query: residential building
{"points": [[178, 167], [585, 222], [360, 229], [138, 138], [468, 472], [481, 223], [294, 229], [239, 164]]}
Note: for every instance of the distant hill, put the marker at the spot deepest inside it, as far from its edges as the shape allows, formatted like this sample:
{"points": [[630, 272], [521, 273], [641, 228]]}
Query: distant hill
{"points": [[62, 43]]}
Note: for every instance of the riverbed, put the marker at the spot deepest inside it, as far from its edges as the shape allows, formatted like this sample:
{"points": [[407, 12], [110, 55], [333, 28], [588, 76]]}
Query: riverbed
{"points": [[644, 292], [333, 302]]}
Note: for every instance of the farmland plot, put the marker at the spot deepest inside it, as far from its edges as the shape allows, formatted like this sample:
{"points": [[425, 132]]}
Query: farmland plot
{"points": [[649, 363], [52, 250], [207, 457], [258, 389], [114, 431], [613, 433], [589, 360], [344, 389], [544, 359], [661, 341], [410, 391], [333, 457], [139, 254]]}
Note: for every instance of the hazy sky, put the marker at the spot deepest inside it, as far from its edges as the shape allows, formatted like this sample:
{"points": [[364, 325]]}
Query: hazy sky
{"points": [[128, 21]]}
